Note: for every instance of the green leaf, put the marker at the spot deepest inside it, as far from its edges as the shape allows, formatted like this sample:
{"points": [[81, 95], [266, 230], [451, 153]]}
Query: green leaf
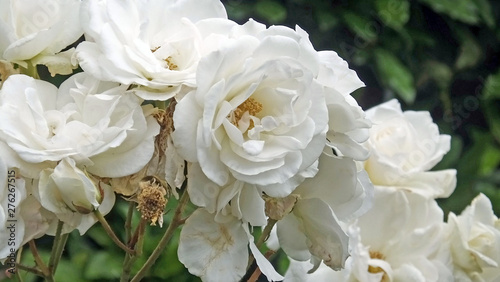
{"points": [[104, 265], [361, 26], [486, 12], [239, 10], [491, 97], [98, 234], [476, 160], [395, 75], [271, 11], [326, 20], [493, 117], [394, 14], [69, 271], [491, 88], [461, 10], [440, 72], [490, 159], [470, 52]]}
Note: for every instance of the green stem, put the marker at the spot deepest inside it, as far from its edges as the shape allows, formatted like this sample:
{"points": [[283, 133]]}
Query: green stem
{"points": [[267, 231], [139, 232], [39, 262], [135, 243], [176, 222], [110, 232], [128, 222], [127, 265], [18, 260], [19, 277], [31, 70], [55, 248], [59, 251], [55, 244], [33, 270]]}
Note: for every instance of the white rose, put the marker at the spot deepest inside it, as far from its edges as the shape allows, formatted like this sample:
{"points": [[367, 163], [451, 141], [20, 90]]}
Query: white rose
{"points": [[68, 188], [257, 115], [155, 44], [348, 126], [261, 110], [401, 238], [92, 122], [403, 147], [72, 195], [218, 251], [312, 230], [475, 240], [38, 31]]}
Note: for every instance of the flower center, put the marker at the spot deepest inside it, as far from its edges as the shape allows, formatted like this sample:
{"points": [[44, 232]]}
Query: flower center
{"points": [[376, 269], [169, 60], [251, 106], [52, 131], [170, 64]]}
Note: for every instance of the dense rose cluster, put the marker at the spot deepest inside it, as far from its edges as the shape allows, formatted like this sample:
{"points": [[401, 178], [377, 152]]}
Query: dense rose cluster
{"points": [[404, 237], [251, 122]]}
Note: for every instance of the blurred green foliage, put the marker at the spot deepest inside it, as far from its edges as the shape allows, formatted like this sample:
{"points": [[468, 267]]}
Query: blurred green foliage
{"points": [[441, 56]]}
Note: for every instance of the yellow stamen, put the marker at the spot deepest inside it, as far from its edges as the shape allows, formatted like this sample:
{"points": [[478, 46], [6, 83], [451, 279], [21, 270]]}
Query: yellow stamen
{"points": [[251, 106], [171, 65], [376, 269]]}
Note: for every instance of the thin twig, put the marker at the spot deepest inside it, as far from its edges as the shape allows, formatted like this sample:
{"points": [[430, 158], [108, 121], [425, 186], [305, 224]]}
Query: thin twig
{"points": [[176, 222], [128, 221], [135, 243], [33, 270], [110, 232], [55, 246], [267, 230], [39, 262], [59, 251]]}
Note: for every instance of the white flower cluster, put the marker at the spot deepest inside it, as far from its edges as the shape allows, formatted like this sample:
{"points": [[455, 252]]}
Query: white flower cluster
{"points": [[404, 237], [264, 122], [257, 127]]}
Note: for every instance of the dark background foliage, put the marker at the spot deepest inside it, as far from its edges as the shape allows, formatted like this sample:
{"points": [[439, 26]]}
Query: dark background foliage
{"points": [[441, 56]]}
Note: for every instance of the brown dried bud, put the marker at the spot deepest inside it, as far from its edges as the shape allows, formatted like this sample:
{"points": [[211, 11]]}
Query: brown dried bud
{"points": [[152, 199], [277, 208]]}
